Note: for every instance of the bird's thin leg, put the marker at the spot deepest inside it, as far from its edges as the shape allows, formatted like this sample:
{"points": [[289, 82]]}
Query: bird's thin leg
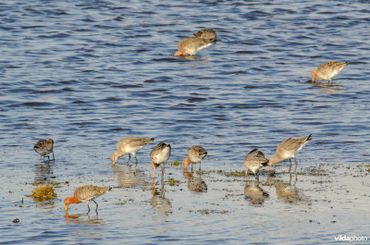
{"points": [[153, 170], [136, 161], [162, 178], [200, 166], [88, 208], [129, 158], [257, 176], [295, 165], [295, 169], [53, 155], [191, 168], [245, 175], [290, 165], [96, 209]]}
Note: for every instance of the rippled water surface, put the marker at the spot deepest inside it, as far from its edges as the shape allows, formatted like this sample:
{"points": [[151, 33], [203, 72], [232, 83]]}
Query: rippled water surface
{"points": [[90, 72]]}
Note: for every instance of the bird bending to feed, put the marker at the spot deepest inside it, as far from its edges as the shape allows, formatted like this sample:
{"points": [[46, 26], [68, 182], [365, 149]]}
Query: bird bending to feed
{"points": [[253, 161], [196, 154], [287, 149], [201, 40], [327, 70], [86, 193], [159, 155], [44, 148], [129, 145]]}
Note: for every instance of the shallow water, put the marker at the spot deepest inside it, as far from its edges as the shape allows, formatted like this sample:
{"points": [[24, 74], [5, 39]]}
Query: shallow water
{"points": [[90, 72]]}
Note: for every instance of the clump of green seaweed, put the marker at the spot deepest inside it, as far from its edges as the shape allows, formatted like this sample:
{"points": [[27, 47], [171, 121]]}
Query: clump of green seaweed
{"points": [[173, 182], [175, 163]]}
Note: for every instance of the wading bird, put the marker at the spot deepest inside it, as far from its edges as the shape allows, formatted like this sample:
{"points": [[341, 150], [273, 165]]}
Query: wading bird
{"points": [[130, 146], [44, 148], [327, 71], [85, 194], [196, 154]]}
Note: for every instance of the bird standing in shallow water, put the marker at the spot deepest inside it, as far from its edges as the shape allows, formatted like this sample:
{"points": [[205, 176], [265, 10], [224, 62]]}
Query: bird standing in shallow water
{"points": [[196, 154], [201, 40], [86, 193], [287, 149], [159, 156], [327, 70], [44, 148], [253, 161], [129, 145]]}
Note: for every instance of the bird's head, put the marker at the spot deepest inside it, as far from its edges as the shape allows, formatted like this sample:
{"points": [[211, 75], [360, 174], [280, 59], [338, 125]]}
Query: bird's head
{"points": [[68, 201]]}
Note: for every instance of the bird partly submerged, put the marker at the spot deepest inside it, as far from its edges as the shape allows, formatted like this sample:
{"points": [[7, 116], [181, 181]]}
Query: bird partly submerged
{"points": [[327, 71], [201, 40]]}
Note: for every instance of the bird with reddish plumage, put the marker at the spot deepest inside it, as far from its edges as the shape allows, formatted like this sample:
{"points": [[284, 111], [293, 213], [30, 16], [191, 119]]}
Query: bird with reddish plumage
{"points": [[86, 194], [327, 71]]}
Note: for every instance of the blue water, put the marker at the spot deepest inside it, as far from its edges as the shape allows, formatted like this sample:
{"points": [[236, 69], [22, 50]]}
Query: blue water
{"points": [[87, 73]]}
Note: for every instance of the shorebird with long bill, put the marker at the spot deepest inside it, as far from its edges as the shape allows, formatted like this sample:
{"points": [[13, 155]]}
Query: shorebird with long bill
{"points": [[288, 149], [130, 146], [85, 194], [196, 154], [327, 71]]}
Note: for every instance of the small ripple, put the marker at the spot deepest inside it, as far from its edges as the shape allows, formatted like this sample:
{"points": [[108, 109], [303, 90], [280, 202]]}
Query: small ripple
{"points": [[196, 99], [126, 85]]}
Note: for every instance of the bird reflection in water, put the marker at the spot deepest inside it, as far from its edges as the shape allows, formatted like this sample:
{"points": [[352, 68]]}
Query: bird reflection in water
{"points": [[195, 183], [43, 172], [159, 202], [327, 88], [82, 219], [287, 191], [254, 193], [130, 177]]}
